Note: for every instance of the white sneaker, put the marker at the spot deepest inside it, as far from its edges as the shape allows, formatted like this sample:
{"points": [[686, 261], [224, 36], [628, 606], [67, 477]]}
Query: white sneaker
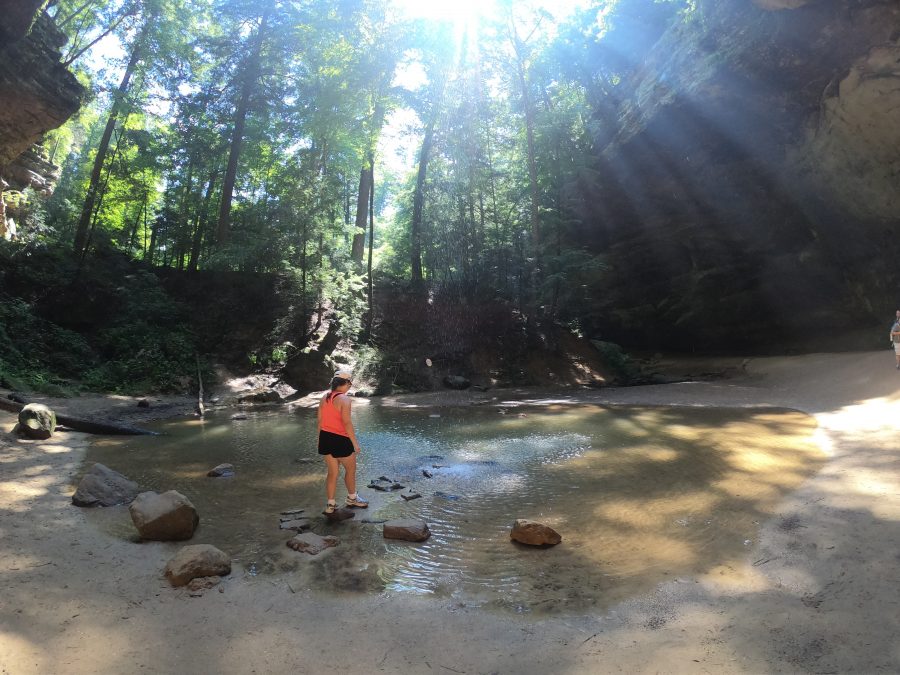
{"points": [[359, 502], [329, 509]]}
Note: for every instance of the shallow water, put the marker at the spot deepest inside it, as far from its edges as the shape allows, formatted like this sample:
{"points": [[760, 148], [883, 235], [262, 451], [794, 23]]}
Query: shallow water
{"points": [[639, 495]]}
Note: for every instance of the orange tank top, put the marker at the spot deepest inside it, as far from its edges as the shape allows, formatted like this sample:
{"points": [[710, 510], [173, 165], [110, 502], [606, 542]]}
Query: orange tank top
{"points": [[331, 416]]}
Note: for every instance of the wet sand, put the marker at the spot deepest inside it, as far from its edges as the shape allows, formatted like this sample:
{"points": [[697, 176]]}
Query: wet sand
{"points": [[818, 593]]}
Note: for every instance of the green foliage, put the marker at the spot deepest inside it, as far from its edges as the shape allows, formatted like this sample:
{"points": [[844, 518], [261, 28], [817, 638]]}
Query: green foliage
{"points": [[297, 95], [137, 340], [624, 367], [35, 353]]}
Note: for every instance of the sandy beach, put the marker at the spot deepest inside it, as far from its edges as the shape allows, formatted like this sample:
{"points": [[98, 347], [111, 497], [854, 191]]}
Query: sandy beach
{"points": [[818, 593]]}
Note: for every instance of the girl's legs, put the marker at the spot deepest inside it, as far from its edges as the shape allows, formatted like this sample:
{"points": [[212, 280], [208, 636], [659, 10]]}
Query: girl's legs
{"points": [[334, 468], [349, 464]]}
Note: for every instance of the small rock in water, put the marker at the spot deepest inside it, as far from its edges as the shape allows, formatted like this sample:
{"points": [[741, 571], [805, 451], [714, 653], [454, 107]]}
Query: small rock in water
{"points": [[295, 524], [311, 543], [221, 471], [407, 529], [427, 473], [240, 416], [431, 457], [291, 512], [534, 533], [385, 484], [143, 403], [434, 415], [343, 513], [444, 495], [409, 495], [438, 466]]}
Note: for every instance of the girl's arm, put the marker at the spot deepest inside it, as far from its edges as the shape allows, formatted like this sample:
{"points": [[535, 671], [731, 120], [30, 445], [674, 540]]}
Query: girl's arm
{"points": [[348, 423]]}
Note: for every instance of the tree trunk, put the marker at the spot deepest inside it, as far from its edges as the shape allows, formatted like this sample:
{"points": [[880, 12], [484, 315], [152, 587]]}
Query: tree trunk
{"points": [[415, 229], [370, 316], [197, 243], [87, 210], [362, 212], [87, 426], [248, 88]]}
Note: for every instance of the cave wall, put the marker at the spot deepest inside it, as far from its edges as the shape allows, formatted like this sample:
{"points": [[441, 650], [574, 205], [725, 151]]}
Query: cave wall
{"points": [[748, 198]]}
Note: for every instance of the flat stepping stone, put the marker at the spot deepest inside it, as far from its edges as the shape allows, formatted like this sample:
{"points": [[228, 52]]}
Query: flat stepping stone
{"points": [[343, 513], [312, 543], [384, 484], [427, 473], [533, 533], [407, 529], [296, 524], [409, 495], [292, 512]]}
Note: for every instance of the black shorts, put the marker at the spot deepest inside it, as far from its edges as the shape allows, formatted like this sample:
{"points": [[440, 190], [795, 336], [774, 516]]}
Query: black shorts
{"points": [[334, 444]]}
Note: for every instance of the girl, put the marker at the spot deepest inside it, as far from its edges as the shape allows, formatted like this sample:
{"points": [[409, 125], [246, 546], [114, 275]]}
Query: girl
{"points": [[337, 441]]}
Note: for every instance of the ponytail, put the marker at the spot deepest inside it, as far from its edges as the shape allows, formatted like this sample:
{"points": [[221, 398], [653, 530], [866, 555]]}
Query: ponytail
{"points": [[337, 382]]}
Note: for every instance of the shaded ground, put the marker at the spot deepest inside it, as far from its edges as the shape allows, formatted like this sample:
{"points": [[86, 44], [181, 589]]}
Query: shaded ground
{"points": [[819, 593]]}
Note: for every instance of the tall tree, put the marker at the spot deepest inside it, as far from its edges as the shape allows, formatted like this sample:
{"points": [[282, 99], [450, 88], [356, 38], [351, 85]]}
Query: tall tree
{"points": [[249, 80], [118, 104]]}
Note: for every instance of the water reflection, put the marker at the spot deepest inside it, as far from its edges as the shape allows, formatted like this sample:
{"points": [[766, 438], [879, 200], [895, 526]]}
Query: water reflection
{"points": [[638, 495]]}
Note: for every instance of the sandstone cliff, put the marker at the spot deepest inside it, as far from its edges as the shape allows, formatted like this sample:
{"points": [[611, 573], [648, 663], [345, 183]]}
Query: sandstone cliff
{"points": [[37, 93], [747, 195]]}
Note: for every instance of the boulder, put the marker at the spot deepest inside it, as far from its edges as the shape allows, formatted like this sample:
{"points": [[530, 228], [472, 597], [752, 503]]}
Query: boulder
{"points": [[37, 421], [169, 516], [101, 486], [143, 403], [534, 533], [312, 543], [407, 529], [457, 382], [199, 560], [221, 471], [260, 396]]}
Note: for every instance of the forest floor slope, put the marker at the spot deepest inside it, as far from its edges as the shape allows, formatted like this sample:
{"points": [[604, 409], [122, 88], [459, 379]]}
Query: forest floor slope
{"points": [[818, 593]]}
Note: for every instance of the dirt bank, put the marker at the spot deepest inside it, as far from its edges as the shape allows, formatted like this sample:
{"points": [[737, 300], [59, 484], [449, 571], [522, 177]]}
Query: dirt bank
{"points": [[818, 593]]}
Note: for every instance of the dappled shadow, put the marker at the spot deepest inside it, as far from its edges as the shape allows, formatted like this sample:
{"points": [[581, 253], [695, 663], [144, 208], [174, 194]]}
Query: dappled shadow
{"points": [[814, 592]]}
